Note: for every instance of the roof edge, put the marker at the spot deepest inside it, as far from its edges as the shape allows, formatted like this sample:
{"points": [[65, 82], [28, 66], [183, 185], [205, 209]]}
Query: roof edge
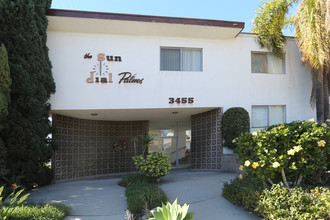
{"points": [[144, 18], [254, 34]]}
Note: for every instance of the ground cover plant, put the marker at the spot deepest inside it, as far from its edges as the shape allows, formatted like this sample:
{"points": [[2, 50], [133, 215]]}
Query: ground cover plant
{"points": [[244, 192], [142, 194], [129, 179], [14, 206], [281, 202], [142, 189], [37, 211], [142, 197], [291, 162]]}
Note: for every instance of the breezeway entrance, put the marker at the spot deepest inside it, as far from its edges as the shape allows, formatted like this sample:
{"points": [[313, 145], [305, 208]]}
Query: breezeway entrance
{"points": [[102, 142]]}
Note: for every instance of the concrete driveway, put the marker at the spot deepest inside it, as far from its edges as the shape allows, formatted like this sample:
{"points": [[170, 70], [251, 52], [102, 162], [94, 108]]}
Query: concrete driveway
{"points": [[103, 199]]}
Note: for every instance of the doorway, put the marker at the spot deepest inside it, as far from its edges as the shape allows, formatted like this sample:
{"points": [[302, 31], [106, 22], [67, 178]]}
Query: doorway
{"points": [[176, 147]]}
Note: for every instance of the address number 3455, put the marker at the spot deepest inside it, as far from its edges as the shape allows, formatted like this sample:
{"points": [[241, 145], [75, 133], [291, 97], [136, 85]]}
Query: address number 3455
{"points": [[183, 100]]}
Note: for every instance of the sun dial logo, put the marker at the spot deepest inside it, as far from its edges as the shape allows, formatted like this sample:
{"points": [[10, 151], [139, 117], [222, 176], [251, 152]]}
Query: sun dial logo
{"points": [[100, 72]]}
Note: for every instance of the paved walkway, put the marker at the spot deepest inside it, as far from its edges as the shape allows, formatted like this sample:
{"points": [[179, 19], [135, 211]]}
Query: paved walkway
{"points": [[103, 199], [202, 190]]}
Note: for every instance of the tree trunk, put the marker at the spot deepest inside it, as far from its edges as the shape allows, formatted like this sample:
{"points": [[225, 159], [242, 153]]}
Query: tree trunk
{"points": [[319, 94], [326, 94], [284, 178]]}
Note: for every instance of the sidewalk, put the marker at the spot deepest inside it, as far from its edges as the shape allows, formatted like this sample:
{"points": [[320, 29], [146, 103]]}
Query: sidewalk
{"points": [[202, 190], [103, 199]]}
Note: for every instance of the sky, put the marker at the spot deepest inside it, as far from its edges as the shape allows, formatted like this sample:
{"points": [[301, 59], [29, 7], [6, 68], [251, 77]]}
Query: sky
{"points": [[230, 10]]}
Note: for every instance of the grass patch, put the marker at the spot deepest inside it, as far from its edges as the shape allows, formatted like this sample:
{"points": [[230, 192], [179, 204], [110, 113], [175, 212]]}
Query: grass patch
{"points": [[142, 197], [129, 179], [38, 211]]}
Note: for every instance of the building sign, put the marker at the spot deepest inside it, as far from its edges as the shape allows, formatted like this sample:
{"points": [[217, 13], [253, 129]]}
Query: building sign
{"points": [[181, 100], [127, 77], [100, 72]]}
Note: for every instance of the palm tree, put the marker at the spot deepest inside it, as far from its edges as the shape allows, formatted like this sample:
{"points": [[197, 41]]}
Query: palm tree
{"points": [[312, 32]]}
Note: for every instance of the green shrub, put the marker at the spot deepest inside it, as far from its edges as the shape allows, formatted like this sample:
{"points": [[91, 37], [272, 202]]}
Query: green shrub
{"points": [[234, 122], [141, 197], [45, 175], [153, 165], [172, 212], [290, 152], [129, 179], [280, 202], [39, 211], [243, 192]]}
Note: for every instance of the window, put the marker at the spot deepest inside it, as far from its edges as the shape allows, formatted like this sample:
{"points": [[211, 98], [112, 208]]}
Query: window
{"points": [[263, 115], [181, 59], [262, 62]]}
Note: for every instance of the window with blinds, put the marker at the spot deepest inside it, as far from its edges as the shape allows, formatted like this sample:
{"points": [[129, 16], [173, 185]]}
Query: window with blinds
{"points": [[262, 62], [181, 59], [264, 116]]}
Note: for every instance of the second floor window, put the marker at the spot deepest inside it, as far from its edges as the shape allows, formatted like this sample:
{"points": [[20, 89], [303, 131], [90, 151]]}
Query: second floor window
{"points": [[263, 62], [181, 59]]}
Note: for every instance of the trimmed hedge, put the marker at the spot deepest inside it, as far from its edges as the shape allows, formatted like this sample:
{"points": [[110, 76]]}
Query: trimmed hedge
{"points": [[234, 122], [154, 165]]}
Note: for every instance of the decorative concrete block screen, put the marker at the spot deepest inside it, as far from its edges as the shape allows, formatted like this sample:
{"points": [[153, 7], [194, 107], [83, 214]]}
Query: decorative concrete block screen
{"points": [[206, 141], [87, 148]]}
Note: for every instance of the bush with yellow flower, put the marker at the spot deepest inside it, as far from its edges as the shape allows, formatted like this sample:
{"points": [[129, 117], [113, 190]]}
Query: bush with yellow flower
{"points": [[288, 152]]}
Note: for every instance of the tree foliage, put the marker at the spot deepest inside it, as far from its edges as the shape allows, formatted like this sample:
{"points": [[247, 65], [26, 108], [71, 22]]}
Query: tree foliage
{"points": [[5, 83], [312, 25], [269, 22], [23, 31]]}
